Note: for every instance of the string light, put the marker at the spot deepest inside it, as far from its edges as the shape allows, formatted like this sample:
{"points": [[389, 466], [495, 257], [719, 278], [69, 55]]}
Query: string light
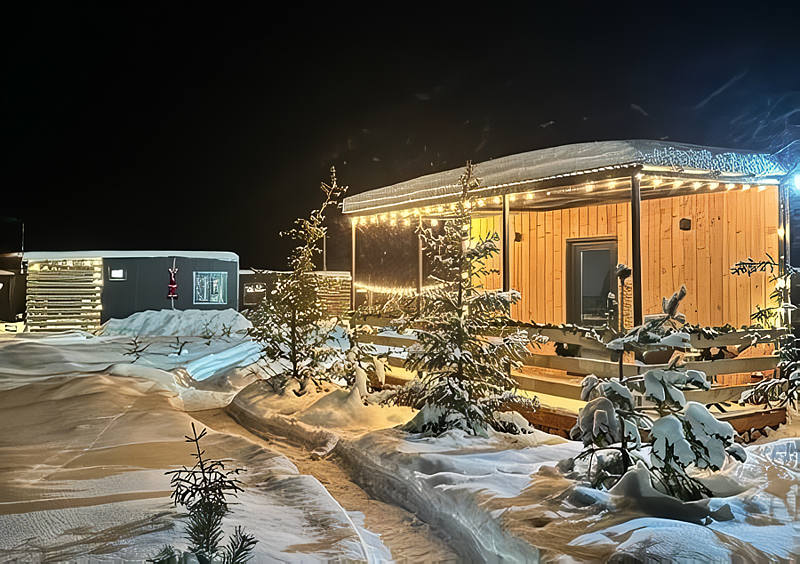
{"points": [[730, 186], [497, 200], [512, 197], [781, 232], [398, 290], [529, 196], [677, 184], [481, 203], [656, 182], [745, 187], [434, 222], [762, 187], [696, 185], [713, 186], [406, 222]]}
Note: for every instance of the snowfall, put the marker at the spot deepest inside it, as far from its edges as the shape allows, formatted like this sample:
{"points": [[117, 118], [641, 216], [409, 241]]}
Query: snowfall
{"points": [[91, 423]]}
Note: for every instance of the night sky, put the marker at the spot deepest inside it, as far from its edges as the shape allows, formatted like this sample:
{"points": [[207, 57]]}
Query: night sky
{"points": [[211, 128]]}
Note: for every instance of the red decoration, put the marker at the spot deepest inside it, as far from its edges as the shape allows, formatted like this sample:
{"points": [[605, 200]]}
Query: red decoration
{"points": [[173, 285]]}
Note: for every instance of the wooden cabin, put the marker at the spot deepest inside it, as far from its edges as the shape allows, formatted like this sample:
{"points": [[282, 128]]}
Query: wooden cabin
{"points": [[676, 214]]}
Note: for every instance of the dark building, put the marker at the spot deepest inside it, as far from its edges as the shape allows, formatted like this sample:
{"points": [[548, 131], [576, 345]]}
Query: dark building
{"points": [[56, 291]]}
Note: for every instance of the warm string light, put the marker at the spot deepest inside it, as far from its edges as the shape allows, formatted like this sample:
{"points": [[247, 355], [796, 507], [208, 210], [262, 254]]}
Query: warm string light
{"points": [[398, 290], [403, 217]]}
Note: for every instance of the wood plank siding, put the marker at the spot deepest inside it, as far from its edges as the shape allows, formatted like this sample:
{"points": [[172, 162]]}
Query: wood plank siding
{"points": [[725, 227]]}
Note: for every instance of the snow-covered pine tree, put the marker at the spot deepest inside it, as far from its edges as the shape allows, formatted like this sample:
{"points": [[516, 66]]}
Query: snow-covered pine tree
{"points": [[290, 322], [465, 351], [685, 435]]}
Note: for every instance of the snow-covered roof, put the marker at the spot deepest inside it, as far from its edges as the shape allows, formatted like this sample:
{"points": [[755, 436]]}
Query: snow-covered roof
{"points": [[68, 255], [520, 172]]}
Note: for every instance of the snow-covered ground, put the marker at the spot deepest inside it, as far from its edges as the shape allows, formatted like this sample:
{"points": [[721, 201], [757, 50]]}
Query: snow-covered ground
{"points": [[91, 423]]}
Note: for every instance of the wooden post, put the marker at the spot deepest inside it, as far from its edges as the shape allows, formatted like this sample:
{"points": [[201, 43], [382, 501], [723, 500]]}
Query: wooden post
{"points": [[353, 221], [784, 246], [505, 250], [419, 267], [636, 248]]}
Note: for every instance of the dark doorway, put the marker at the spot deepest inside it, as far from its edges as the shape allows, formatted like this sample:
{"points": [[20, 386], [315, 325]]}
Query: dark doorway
{"points": [[590, 279]]}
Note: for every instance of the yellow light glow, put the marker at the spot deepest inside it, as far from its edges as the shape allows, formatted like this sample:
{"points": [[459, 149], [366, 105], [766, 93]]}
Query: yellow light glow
{"points": [[434, 222], [392, 222], [512, 197], [656, 182], [383, 217], [730, 186], [481, 203], [406, 222], [696, 185], [762, 188], [745, 187], [677, 184], [453, 206], [639, 175], [781, 232], [780, 283], [373, 219], [713, 186], [467, 204], [497, 200], [529, 196], [362, 220], [589, 187]]}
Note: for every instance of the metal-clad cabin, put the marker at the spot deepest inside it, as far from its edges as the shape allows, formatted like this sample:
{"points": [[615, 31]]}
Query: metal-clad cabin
{"points": [[83, 289], [677, 214]]}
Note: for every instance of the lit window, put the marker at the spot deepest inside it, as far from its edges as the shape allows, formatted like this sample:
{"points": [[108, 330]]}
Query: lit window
{"points": [[117, 274], [210, 287]]}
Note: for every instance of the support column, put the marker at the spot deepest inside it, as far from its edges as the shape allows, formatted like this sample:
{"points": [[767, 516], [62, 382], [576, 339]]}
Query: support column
{"points": [[419, 267], [353, 263], [505, 250], [636, 248]]}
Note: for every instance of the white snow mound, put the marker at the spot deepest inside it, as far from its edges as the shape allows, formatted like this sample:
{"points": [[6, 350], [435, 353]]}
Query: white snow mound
{"points": [[179, 323]]}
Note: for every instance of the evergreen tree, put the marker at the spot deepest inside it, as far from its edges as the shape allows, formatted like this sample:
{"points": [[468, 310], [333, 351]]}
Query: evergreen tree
{"points": [[290, 322], [465, 351], [685, 435]]}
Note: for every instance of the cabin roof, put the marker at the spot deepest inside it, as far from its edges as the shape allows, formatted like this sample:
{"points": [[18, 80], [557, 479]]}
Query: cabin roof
{"points": [[572, 163]]}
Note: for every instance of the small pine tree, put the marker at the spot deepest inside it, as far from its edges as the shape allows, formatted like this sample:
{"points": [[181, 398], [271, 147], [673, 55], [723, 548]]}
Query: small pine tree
{"points": [[685, 433], [465, 372], [290, 322], [203, 490], [785, 388]]}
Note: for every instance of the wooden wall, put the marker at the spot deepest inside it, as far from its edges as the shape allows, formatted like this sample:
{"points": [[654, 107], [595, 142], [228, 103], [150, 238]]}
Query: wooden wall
{"points": [[726, 227]]}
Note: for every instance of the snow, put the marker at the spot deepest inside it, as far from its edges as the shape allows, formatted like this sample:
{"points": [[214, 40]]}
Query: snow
{"points": [[168, 323], [90, 429]]}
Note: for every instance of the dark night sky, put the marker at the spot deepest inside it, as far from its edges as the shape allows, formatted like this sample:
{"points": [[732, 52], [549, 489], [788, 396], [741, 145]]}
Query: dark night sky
{"points": [[211, 128]]}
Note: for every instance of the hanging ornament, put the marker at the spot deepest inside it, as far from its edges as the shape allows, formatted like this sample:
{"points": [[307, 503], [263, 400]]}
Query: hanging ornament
{"points": [[172, 293]]}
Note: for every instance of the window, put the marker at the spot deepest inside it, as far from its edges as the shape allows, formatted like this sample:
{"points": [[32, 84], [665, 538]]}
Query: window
{"points": [[117, 274], [210, 287], [254, 293], [590, 280]]}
